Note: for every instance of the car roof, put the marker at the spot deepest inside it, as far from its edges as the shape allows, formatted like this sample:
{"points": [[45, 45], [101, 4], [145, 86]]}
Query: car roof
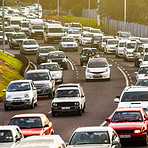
{"points": [[97, 59], [135, 88], [89, 48], [28, 115], [69, 85], [29, 40], [108, 37], [38, 71], [68, 88], [128, 109], [8, 127], [49, 63], [113, 39], [16, 81], [145, 45], [56, 52], [92, 128], [143, 66], [47, 47]]}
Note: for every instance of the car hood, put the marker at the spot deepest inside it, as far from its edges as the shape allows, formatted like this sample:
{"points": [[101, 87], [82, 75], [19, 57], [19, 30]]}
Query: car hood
{"points": [[7, 145], [67, 99], [24, 29], [43, 54], [129, 50], [97, 69], [32, 131], [126, 125], [87, 38], [112, 45], [90, 146], [17, 94]]}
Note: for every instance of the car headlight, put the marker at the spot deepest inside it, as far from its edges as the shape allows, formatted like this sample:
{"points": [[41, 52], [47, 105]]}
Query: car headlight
{"points": [[64, 60], [106, 70], [88, 71], [108, 47], [64, 44], [77, 103], [26, 95], [54, 104], [137, 131], [57, 75], [75, 44], [8, 97]]}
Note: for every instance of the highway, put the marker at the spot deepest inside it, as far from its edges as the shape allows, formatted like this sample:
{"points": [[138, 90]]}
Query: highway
{"points": [[99, 94]]}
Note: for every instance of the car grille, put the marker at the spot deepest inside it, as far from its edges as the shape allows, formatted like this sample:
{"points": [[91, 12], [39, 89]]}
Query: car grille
{"points": [[17, 98], [31, 48], [65, 104], [97, 72], [69, 44], [17, 103], [124, 131], [39, 86]]}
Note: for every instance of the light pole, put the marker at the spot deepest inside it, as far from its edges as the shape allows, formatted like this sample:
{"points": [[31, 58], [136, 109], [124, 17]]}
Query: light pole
{"points": [[124, 13], [58, 8], [3, 16], [38, 9], [88, 12]]}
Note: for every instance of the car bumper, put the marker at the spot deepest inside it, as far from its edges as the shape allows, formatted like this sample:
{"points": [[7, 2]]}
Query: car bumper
{"points": [[69, 48], [60, 109], [30, 51], [92, 76], [110, 50]]}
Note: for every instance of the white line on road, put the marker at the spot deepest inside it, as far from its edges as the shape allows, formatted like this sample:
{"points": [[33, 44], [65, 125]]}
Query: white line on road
{"points": [[49, 112], [72, 67]]}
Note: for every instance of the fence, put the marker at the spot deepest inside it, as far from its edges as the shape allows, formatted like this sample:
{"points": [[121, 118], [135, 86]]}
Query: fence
{"points": [[92, 14], [113, 26]]}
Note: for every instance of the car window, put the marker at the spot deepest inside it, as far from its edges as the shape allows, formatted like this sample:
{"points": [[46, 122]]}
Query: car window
{"points": [[19, 36], [145, 58], [130, 45], [46, 49], [56, 55], [6, 136], [68, 40], [30, 42], [50, 67], [142, 82], [97, 64], [143, 70], [94, 137], [37, 76], [112, 42]]}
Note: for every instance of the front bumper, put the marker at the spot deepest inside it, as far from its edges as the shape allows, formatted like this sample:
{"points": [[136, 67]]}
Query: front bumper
{"points": [[91, 76], [30, 51], [60, 109], [69, 48]]}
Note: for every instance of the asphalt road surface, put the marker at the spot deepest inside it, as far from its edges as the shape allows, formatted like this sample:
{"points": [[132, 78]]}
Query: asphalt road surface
{"points": [[99, 95]]}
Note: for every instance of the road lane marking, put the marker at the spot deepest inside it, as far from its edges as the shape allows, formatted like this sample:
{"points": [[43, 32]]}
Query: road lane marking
{"points": [[126, 79], [49, 112], [72, 67]]}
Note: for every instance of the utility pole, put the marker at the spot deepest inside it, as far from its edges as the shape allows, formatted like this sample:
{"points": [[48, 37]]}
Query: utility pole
{"points": [[3, 17], [124, 14], [88, 12], [58, 8], [38, 9]]}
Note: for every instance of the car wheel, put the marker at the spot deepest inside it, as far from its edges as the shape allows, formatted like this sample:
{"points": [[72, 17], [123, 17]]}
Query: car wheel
{"points": [[50, 96], [83, 110], [80, 112], [144, 142], [36, 103], [53, 114], [32, 105], [6, 108]]}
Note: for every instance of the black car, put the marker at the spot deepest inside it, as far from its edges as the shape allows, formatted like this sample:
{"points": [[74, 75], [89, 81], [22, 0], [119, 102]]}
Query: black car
{"points": [[87, 53], [42, 53], [95, 41], [16, 39], [59, 57]]}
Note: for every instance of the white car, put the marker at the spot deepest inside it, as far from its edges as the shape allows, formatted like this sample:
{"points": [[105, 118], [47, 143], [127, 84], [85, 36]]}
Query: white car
{"points": [[111, 45], [123, 35], [94, 137], [142, 71], [75, 34], [54, 69], [96, 32], [142, 81], [97, 68], [86, 39], [68, 44], [20, 93], [144, 59], [29, 46], [10, 136], [75, 26], [68, 100], [128, 50], [119, 48], [86, 29]]}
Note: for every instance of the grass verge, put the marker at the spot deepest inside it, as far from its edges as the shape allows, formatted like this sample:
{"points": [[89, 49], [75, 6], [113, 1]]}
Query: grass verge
{"points": [[9, 71]]}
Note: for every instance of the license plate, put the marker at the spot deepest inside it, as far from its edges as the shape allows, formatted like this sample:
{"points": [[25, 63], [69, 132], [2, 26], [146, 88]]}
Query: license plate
{"points": [[65, 107], [17, 100], [125, 136], [97, 76]]}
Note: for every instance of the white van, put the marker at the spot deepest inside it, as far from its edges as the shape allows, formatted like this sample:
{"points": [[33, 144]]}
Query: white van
{"points": [[53, 33], [44, 141]]}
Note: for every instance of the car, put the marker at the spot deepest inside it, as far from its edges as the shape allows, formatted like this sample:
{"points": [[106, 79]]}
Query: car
{"points": [[102, 42], [142, 81], [95, 41], [10, 136], [131, 124], [1, 38], [20, 93], [85, 39], [119, 48], [110, 46], [142, 71], [29, 46], [96, 32], [87, 53], [68, 100], [70, 85], [42, 141], [97, 68], [123, 35], [94, 136], [75, 26], [42, 53], [133, 96], [128, 50], [32, 124], [86, 29], [8, 31], [75, 34], [144, 59], [16, 39], [43, 81], [60, 57], [54, 69], [68, 44], [24, 27]]}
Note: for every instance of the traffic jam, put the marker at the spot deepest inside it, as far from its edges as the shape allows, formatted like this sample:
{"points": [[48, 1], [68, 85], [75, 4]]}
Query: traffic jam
{"points": [[52, 44]]}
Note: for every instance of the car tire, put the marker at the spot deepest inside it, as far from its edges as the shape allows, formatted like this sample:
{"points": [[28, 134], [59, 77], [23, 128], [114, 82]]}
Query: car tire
{"points": [[80, 112], [83, 110], [6, 108], [32, 105], [108, 79], [144, 142], [36, 103], [53, 114]]}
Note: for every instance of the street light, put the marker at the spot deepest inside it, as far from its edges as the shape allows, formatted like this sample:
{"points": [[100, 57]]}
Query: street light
{"points": [[38, 9], [3, 17], [124, 13], [88, 12], [58, 8]]}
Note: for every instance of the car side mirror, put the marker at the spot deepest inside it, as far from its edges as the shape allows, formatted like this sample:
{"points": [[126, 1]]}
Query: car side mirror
{"points": [[110, 65], [146, 118], [107, 119], [46, 125], [34, 88], [136, 72], [4, 90], [140, 60], [115, 142], [17, 139], [117, 99]]}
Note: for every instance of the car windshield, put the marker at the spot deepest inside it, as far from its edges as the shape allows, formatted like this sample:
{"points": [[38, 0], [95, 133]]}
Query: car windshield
{"points": [[30, 42], [55, 30], [25, 25], [130, 45], [96, 31], [76, 25], [6, 136], [93, 137], [73, 32], [9, 30], [113, 42], [46, 49], [121, 44], [27, 122], [15, 22], [142, 82], [19, 36], [135, 96], [37, 76], [56, 55], [68, 40], [97, 64], [145, 58], [19, 86], [67, 93], [37, 27], [124, 35], [127, 116], [50, 67], [87, 35], [143, 70]]}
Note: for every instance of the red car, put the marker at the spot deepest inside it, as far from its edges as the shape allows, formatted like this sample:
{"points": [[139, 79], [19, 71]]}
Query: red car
{"points": [[131, 124], [33, 124]]}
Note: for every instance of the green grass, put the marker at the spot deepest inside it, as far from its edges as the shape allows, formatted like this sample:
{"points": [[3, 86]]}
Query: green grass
{"points": [[9, 71], [83, 20]]}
